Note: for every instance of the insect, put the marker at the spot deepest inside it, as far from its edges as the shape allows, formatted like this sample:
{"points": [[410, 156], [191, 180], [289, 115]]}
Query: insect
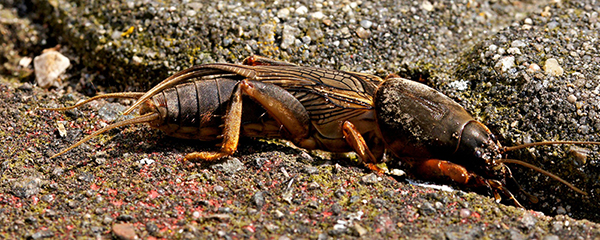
{"points": [[331, 110]]}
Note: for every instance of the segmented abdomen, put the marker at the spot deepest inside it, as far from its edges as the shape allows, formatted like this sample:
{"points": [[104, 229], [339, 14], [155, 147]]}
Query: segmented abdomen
{"points": [[193, 110]]}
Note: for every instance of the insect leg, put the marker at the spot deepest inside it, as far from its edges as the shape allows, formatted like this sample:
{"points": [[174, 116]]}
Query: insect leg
{"points": [[231, 130], [357, 142], [256, 60], [284, 108], [435, 169], [280, 105]]}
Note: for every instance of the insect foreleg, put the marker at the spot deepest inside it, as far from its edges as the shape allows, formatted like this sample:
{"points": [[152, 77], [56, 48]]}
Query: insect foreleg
{"points": [[357, 142], [435, 169]]}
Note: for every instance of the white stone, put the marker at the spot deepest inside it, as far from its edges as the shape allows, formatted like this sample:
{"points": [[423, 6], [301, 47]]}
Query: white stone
{"points": [[48, 67], [552, 67], [317, 15], [301, 10], [427, 6], [505, 63]]}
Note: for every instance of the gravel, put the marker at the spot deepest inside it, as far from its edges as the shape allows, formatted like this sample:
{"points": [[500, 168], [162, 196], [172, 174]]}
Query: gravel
{"points": [[502, 61]]}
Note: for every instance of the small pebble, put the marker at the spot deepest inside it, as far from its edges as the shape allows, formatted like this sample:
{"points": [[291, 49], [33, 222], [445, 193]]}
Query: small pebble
{"points": [[560, 210], [363, 33], [310, 170], [279, 214], [366, 24], [137, 60], [505, 63], [25, 61], [427, 6], [48, 67], [124, 231], [42, 234], [301, 10], [553, 68], [283, 13], [517, 44], [370, 178], [146, 161], [551, 237], [229, 166], [532, 68], [571, 98], [62, 131], [258, 199], [360, 230], [579, 155], [528, 220], [465, 213], [317, 15], [514, 51], [427, 209]]}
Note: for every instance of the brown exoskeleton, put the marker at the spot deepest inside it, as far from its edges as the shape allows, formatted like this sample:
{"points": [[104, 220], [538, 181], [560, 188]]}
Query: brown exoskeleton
{"points": [[327, 109]]}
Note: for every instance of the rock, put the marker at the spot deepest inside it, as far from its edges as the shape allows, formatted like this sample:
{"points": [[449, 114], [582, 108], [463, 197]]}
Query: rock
{"points": [[552, 67], [42, 234], [464, 213], [366, 24], [258, 199], [48, 67], [124, 231], [505, 63], [288, 36], [532, 68], [111, 111], [359, 230], [370, 178], [26, 187], [311, 170], [229, 166], [427, 209], [427, 6], [363, 33], [283, 13], [528, 220]]}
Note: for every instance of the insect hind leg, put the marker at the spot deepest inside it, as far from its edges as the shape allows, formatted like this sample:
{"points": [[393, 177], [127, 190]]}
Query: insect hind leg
{"points": [[231, 130], [280, 105]]}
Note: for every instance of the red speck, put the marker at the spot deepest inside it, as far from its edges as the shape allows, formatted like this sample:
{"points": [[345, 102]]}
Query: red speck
{"points": [[94, 187], [153, 194], [327, 214], [112, 192], [117, 203]]}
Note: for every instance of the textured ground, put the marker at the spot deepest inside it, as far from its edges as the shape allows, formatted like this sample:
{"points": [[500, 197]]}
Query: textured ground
{"points": [[131, 182]]}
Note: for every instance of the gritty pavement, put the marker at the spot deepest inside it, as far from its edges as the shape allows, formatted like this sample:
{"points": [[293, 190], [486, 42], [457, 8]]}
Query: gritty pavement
{"points": [[529, 71]]}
